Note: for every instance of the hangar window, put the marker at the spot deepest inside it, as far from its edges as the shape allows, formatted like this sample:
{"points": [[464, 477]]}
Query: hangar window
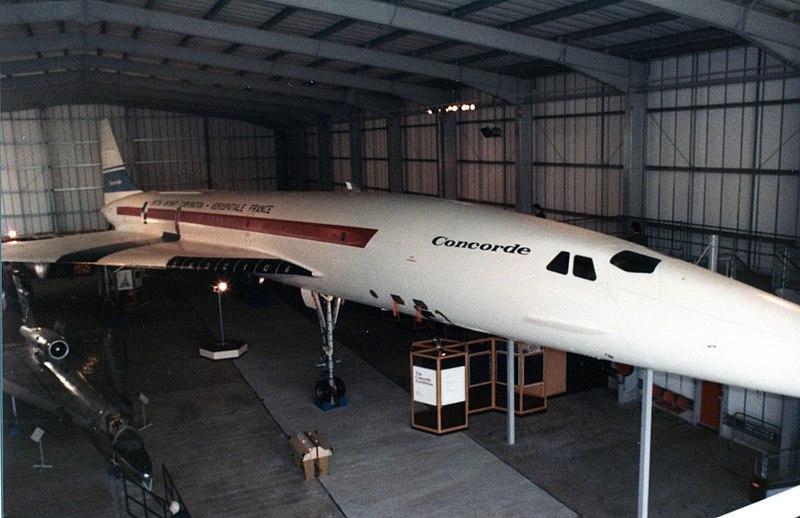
{"points": [[584, 268], [560, 264], [634, 262]]}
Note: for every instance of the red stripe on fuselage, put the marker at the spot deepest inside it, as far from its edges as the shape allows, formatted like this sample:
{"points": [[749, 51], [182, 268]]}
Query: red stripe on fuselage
{"points": [[326, 233]]}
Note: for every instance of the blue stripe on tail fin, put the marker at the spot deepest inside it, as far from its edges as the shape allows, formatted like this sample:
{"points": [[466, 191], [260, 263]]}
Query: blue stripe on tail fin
{"points": [[116, 181]]}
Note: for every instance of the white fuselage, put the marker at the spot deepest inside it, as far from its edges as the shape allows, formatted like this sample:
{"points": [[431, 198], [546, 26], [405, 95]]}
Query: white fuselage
{"points": [[487, 269]]}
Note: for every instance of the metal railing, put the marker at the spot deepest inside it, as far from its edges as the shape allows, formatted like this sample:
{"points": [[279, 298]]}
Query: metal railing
{"points": [[141, 502], [786, 270], [754, 433], [732, 266], [770, 262], [780, 469]]}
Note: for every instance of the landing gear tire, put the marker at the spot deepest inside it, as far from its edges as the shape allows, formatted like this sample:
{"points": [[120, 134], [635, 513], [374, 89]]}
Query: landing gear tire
{"points": [[326, 393]]}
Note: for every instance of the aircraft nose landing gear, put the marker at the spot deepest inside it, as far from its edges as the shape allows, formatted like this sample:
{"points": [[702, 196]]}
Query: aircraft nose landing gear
{"points": [[329, 392], [328, 396]]}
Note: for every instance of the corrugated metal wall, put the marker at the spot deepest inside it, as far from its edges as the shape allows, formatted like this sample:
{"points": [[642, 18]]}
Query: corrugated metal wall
{"points": [[375, 155], [51, 178], [168, 151], [578, 148], [420, 155], [240, 156], [50, 169], [723, 155], [724, 151], [340, 154], [312, 136], [486, 165]]}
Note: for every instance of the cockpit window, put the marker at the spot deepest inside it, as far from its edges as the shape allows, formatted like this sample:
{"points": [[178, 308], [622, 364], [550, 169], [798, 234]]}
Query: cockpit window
{"points": [[128, 440], [560, 264], [584, 268], [634, 262]]}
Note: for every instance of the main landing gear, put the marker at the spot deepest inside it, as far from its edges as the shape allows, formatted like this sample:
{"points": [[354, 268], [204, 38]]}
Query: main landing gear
{"points": [[330, 390]]}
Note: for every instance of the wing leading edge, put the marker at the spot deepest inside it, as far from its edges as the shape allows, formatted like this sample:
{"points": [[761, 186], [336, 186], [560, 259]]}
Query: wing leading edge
{"points": [[115, 248]]}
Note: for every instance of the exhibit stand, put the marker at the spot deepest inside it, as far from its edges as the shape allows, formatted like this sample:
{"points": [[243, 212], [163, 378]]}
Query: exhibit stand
{"points": [[437, 367], [538, 373], [528, 368], [438, 386]]}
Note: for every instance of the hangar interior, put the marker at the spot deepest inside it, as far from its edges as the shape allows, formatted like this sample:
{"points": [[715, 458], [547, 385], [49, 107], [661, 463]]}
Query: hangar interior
{"points": [[685, 118]]}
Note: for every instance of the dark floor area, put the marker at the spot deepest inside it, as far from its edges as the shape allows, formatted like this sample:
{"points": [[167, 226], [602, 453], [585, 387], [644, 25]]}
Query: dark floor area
{"points": [[227, 448]]}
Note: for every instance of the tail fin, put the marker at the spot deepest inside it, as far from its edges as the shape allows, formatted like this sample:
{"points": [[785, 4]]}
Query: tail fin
{"points": [[116, 181]]}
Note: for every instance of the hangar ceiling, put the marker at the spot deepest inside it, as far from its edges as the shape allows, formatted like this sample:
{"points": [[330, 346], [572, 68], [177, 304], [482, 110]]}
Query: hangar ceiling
{"points": [[298, 62]]}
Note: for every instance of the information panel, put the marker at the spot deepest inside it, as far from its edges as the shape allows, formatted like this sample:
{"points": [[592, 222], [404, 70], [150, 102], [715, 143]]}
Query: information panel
{"points": [[454, 385], [425, 385]]}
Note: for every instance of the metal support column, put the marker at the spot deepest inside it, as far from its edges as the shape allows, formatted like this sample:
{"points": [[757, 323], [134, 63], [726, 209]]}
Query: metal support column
{"points": [[713, 253], [356, 161], [525, 180], [324, 152], [394, 144], [644, 442], [635, 150], [281, 160], [207, 152], [510, 389], [448, 175], [301, 160]]}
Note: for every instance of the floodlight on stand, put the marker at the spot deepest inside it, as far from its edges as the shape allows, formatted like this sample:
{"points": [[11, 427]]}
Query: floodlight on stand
{"points": [[12, 234], [220, 288], [223, 349]]}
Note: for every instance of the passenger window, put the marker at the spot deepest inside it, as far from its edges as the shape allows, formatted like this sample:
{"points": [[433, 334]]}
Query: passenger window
{"points": [[560, 264], [634, 263], [584, 268]]}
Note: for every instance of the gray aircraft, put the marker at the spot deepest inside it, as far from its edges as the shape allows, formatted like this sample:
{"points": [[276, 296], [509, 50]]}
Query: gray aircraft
{"points": [[77, 393]]}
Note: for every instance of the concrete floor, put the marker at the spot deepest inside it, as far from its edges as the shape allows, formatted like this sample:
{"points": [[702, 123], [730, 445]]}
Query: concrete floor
{"points": [[221, 427]]}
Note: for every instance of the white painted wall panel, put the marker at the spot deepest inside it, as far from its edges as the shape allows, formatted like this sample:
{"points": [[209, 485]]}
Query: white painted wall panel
{"points": [[51, 177], [675, 383], [26, 184], [724, 155]]}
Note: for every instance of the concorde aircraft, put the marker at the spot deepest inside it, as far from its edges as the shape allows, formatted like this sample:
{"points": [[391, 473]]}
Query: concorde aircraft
{"points": [[477, 267]]}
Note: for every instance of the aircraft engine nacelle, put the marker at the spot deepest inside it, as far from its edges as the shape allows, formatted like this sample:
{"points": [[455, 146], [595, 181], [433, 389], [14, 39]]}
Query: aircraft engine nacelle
{"points": [[46, 340], [58, 349]]}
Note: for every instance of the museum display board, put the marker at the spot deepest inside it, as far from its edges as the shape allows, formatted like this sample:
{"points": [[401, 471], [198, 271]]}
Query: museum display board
{"points": [[438, 386], [451, 380]]}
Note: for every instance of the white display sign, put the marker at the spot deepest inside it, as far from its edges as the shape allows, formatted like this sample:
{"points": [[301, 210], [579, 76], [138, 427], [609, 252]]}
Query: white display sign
{"points": [[424, 385], [124, 280], [454, 385], [37, 434]]}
